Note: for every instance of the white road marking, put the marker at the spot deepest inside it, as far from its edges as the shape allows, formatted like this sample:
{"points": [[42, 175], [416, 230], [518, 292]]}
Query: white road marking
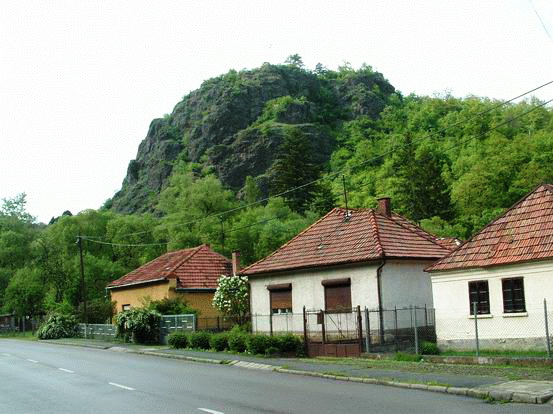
{"points": [[121, 386], [3, 353], [66, 370], [32, 360], [207, 410]]}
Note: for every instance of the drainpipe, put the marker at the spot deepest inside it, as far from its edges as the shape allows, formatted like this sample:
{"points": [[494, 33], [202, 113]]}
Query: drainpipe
{"points": [[379, 291]]}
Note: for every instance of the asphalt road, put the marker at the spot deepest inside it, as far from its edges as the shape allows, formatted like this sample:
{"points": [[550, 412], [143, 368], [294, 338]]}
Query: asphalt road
{"points": [[46, 378]]}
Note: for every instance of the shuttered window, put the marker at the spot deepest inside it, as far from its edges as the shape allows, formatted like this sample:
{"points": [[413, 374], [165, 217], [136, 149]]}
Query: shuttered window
{"points": [[479, 293], [281, 298], [513, 295], [337, 294]]}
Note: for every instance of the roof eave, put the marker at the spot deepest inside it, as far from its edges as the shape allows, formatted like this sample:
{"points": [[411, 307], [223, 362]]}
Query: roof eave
{"points": [[140, 282]]}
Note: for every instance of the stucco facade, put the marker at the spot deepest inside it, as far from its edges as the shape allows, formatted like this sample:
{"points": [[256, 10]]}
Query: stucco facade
{"points": [[136, 295], [455, 326], [403, 283]]}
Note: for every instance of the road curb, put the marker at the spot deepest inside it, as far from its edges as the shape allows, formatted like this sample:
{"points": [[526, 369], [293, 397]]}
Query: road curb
{"points": [[73, 344], [183, 357], [414, 386]]}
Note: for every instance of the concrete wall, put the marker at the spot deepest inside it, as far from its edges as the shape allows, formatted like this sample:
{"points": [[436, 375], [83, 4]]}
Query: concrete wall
{"points": [[202, 302], [308, 291], [405, 284], [455, 327], [135, 295]]}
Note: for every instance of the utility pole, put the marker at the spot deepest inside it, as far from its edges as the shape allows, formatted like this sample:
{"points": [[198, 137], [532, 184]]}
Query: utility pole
{"points": [[83, 285]]}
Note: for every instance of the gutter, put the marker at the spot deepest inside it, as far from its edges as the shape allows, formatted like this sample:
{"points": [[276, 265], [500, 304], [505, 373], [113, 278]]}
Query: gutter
{"points": [[379, 291], [195, 289]]}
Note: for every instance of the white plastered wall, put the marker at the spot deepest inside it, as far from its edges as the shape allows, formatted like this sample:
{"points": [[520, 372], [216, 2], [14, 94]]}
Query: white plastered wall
{"points": [[308, 291], [451, 301]]}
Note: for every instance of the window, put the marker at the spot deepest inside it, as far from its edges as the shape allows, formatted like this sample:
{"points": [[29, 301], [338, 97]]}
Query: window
{"points": [[281, 298], [337, 294], [479, 293], [513, 295], [126, 307]]}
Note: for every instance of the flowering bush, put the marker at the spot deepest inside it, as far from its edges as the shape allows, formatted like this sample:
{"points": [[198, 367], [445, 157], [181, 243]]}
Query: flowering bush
{"points": [[57, 326], [231, 296], [138, 324]]}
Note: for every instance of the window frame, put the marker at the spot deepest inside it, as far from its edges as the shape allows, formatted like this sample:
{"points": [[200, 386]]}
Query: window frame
{"points": [[509, 303], [126, 306], [482, 307], [280, 288], [337, 283]]}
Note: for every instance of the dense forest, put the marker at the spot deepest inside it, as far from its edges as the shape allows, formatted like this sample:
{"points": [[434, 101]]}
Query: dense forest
{"points": [[219, 168]]}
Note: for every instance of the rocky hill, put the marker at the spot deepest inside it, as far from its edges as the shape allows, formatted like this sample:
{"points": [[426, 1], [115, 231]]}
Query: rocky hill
{"points": [[234, 125]]}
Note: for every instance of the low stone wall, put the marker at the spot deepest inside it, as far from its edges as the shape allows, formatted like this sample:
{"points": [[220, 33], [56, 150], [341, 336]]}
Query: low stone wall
{"points": [[520, 344]]}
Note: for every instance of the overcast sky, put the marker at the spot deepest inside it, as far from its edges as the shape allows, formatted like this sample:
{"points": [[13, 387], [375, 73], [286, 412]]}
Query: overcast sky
{"points": [[80, 81]]}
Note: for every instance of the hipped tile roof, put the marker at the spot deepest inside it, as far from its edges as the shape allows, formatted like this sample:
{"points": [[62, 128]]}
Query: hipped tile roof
{"points": [[363, 236], [522, 233], [196, 268]]}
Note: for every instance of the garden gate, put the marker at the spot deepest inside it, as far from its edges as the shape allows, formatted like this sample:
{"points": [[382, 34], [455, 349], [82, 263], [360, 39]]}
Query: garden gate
{"points": [[337, 333]]}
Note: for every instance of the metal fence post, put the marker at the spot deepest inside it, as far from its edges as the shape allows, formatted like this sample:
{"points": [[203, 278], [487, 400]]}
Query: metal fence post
{"points": [[547, 338], [475, 311], [305, 339], [396, 331], [416, 332], [367, 332]]}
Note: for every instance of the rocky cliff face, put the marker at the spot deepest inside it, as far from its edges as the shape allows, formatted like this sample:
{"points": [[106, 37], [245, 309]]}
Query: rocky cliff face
{"points": [[235, 124]]}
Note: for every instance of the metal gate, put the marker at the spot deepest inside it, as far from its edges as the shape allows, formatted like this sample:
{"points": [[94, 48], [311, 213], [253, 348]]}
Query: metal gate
{"points": [[337, 333]]}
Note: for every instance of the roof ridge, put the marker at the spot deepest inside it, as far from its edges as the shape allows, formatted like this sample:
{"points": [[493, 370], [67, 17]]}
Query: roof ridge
{"points": [[428, 236], [289, 241], [379, 246], [548, 187]]}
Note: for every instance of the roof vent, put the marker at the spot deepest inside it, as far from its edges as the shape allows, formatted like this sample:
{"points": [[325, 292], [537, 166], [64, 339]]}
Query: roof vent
{"points": [[384, 206]]}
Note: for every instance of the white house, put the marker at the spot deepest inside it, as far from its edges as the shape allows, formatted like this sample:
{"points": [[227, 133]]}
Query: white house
{"points": [[507, 271], [367, 257]]}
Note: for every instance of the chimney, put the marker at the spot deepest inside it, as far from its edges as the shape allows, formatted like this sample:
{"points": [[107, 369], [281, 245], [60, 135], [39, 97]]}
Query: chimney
{"points": [[235, 263], [384, 206]]}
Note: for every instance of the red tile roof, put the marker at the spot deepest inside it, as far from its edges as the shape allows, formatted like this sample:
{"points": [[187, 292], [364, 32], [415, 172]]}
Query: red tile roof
{"points": [[524, 232], [196, 268], [367, 235]]}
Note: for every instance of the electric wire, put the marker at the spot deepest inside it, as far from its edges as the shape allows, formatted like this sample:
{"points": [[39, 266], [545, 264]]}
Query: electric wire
{"points": [[351, 167]]}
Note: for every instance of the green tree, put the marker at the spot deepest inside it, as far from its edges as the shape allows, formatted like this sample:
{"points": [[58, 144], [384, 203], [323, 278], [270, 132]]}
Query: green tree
{"points": [[295, 167]]}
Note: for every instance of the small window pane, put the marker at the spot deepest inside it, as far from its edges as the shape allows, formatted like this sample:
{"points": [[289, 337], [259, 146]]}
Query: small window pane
{"points": [[479, 293], [513, 295]]}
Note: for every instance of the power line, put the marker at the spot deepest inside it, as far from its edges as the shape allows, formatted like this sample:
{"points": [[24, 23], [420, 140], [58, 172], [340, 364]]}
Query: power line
{"points": [[541, 21], [342, 171], [458, 143]]}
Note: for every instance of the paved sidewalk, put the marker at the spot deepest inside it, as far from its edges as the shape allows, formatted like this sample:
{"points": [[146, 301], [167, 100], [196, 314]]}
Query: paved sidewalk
{"points": [[480, 386]]}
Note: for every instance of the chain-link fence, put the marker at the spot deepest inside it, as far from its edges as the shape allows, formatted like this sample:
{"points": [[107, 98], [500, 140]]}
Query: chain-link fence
{"points": [[478, 331], [398, 329]]}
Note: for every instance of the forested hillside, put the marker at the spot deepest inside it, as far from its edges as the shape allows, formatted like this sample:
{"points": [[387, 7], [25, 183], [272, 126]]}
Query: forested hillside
{"points": [[203, 173]]}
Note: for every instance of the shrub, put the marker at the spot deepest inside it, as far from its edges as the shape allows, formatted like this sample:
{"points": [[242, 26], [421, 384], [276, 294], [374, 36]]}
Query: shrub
{"points": [[219, 341], [402, 356], [138, 324], [178, 340], [200, 340], [175, 306], [271, 351], [57, 326], [257, 344], [289, 343], [429, 348], [237, 339]]}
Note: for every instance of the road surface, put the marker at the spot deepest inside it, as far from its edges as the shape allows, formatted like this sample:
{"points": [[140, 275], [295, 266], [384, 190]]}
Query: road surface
{"points": [[46, 378]]}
